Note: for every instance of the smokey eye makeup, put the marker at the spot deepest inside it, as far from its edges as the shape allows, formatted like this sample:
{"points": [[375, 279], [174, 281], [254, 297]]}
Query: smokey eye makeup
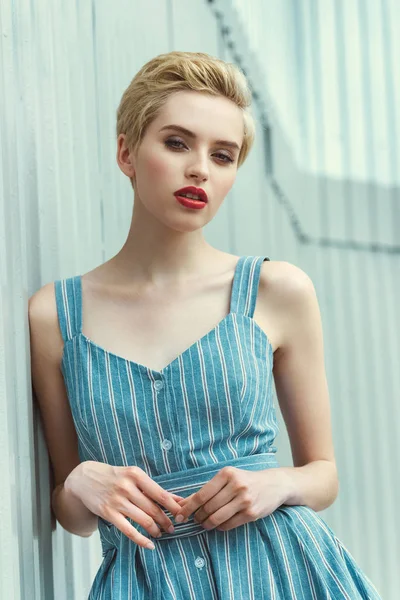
{"points": [[171, 143]]}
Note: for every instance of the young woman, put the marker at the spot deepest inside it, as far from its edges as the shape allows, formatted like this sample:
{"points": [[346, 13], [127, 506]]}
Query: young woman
{"points": [[154, 375]]}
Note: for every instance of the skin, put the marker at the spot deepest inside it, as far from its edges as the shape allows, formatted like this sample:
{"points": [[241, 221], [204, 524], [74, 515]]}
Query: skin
{"points": [[165, 242]]}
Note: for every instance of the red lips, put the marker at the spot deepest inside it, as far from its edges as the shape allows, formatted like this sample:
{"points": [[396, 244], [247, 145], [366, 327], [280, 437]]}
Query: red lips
{"points": [[193, 190]]}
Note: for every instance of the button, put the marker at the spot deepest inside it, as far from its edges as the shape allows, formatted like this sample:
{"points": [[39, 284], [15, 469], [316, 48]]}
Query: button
{"points": [[199, 562], [166, 444], [158, 384]]}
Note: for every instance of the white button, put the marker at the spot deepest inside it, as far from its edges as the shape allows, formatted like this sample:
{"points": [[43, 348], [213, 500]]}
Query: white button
{"points": [[158, 384], [199, 562], [166, 444]]}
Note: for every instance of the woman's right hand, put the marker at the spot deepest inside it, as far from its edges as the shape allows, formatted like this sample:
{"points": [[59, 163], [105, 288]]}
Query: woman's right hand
{"points": [[114, 493]]}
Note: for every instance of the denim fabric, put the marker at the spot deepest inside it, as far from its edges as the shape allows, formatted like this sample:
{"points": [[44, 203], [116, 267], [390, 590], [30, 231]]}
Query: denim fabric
{"points": [[210, 407]]}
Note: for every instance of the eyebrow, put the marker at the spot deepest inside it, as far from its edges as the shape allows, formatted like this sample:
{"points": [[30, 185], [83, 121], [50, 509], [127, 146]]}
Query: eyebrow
{"points": [[193, 135]]}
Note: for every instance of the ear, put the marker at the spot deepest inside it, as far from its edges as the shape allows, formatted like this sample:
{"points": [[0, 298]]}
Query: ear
{"points": [[125, 158]]}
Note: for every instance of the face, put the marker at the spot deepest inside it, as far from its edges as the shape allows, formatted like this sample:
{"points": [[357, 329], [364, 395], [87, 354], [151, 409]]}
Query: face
{"points": [[169, 159]]}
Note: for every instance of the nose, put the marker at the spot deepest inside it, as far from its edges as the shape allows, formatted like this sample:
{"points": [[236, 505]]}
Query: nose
{"points": [[199, 169]]}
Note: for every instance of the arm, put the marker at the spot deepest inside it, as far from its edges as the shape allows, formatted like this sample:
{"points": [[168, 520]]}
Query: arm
{"points": [[59, 431], [302, 391], [71, 513]]}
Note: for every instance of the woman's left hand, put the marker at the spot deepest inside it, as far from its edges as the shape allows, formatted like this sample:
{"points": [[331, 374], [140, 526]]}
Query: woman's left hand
{"points": [[236, 496]]}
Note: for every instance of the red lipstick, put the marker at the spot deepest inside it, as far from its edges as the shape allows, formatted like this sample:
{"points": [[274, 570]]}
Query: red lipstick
{"points": [[194, 191], [198, 202]]}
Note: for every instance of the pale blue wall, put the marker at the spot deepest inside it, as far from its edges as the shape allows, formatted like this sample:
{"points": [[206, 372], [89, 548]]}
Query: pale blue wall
{"points": [[327, 201]]}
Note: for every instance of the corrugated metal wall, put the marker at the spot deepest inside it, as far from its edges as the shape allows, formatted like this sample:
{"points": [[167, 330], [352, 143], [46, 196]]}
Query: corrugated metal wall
{"points": [[323, 183]]}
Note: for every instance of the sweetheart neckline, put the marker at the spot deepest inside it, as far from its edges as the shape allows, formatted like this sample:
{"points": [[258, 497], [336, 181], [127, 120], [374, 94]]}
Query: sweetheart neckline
{"points": [[162, 371]]}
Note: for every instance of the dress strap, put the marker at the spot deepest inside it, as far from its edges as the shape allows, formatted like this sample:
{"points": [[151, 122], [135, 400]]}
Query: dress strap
{"points": [[245, 284], [69, 306]]}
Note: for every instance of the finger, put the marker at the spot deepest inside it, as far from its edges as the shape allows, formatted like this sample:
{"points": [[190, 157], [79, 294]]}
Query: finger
{"points": [[133, 496], [195, 502], [236, 521], [208, 491], [223, 499], [154, 491], [177, 498], [222, 515], [141, 509], [183, 501], [131, 532]]}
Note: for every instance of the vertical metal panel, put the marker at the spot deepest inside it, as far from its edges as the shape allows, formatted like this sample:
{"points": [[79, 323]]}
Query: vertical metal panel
{"points": [[66, 207]]}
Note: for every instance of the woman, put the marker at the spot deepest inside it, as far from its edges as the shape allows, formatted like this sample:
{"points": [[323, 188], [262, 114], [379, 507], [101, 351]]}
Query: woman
{"points": [[163, 403]]}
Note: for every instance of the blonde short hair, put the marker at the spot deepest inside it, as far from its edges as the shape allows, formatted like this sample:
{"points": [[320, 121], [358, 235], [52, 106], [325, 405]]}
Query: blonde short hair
{"points": [[168, 73]]}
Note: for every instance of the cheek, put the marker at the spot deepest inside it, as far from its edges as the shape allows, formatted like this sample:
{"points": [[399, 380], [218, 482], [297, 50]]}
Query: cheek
{"points": [[227, 184], [157, 167]]}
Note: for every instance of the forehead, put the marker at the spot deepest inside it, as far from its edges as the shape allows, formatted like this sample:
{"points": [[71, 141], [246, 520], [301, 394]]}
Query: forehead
{"points": [[204, 114]]}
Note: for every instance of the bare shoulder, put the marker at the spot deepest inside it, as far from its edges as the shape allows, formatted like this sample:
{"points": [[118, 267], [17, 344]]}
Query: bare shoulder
{"points": [[48, 383], [42, 299], [284, 277], [43, 322], [288, 295]]}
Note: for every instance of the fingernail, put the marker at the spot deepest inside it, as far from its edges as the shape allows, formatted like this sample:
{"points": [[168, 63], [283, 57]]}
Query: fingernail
{"points": [[179, 519], [150, 545], [171, 529]]}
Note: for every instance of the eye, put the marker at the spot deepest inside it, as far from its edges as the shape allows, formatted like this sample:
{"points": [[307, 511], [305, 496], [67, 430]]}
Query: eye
{"points": [[229, 159], [170, 143]]}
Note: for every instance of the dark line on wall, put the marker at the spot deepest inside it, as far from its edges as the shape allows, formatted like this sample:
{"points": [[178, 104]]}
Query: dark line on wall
{"points": [[299, 232], [325, 242]]}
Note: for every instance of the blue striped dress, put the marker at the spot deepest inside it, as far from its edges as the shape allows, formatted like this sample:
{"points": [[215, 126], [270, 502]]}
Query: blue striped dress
{"points": [[212, 406]]}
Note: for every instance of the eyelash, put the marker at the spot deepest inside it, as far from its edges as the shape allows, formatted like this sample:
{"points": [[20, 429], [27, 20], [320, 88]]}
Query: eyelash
{"points": [[169, 142]]}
